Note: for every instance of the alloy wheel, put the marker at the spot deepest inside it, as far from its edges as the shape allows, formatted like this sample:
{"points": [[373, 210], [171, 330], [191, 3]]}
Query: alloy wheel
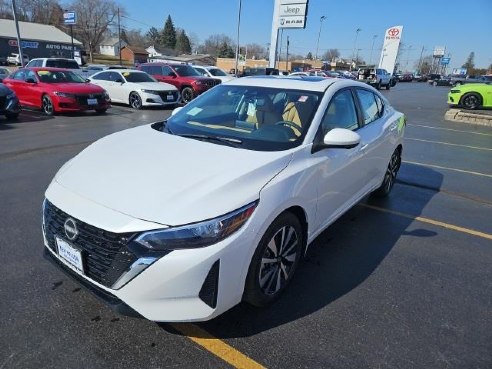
{"points": [[391, 171], [47, 105], [278, 260], [135, 101]]}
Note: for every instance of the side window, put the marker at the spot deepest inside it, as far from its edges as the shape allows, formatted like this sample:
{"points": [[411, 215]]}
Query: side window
{"points": [[167, 71], [380, 104], [20, 75], [113, 76], [202, 72], [30, 74], [341, 113], [104, 76], [368, 105]]}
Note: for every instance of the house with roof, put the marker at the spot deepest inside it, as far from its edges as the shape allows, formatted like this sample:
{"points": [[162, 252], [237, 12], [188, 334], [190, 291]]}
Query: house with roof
{"points": [[134, 54], [111, 46]]}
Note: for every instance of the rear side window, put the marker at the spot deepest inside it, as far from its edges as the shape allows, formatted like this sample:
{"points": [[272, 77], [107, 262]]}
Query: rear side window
{"points": [[152, 69], [167, 71], [104, 76], [368, 105]]}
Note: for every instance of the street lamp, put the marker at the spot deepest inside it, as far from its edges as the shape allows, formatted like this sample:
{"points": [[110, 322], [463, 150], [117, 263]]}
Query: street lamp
{"points": [[372, 48], [238, 26], [355, 43], [319, 34]]}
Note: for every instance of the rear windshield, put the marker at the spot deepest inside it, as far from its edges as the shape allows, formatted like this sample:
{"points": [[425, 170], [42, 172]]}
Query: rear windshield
{"points": [[217, 72], [137, 77], [59, 63]]}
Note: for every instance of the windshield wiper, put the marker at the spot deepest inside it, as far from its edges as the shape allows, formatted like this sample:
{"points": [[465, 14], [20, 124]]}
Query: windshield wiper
{"points": [[234, 142]]}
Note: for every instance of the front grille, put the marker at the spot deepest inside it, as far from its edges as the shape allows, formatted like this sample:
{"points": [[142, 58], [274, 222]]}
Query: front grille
{"points": [[105, 254], [165, 94], [82, 99], [212, 82]]}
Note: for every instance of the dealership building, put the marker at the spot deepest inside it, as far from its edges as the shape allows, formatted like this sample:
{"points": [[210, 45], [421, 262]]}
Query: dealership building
{"points": [[37, 40]]}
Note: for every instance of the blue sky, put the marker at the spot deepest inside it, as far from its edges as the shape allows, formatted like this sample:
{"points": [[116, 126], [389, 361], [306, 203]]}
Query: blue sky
{"points": [[460, 26]]}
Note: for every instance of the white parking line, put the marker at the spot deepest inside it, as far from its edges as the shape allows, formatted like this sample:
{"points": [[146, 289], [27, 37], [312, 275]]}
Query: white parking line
{"points": [[450, 129], [449, 144], [448, 168]]}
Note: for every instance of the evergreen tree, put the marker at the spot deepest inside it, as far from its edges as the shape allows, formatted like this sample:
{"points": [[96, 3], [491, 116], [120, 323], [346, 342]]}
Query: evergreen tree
{"points": [[168, 36], [153, 35], [225, 50], [183, 45], [309, 56], [470, 62]]}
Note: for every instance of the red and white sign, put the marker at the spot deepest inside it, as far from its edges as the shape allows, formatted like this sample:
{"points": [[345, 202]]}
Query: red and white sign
{"points": [[391, 44]]}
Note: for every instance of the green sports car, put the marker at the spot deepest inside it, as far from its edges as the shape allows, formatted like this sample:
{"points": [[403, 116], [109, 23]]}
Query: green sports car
{"points": [[471, 96]]}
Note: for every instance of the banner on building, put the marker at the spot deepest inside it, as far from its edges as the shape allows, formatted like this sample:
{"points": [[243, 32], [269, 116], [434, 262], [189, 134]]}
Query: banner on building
{"points": [[392, 38]]}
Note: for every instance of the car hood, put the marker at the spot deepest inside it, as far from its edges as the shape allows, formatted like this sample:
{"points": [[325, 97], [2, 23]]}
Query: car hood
{"points": [[76, 88], [474, 87], [156, 86], [166, 179]]}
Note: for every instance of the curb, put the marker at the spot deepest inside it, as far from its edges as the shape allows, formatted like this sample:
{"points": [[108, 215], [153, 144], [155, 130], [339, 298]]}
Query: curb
{"points": [[458, 115]]}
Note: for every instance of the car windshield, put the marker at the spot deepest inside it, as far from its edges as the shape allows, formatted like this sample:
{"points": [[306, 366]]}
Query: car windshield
{"points": [[217, 72], [185, 70], [255, 118], [137, 77], [65, 76]]}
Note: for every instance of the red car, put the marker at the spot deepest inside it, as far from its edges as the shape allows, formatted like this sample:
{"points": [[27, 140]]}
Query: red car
{"points": [[186, 79], [56, 90]]}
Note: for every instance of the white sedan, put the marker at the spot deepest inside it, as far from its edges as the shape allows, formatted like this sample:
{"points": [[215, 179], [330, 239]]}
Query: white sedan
{"points": [[181, 220], [135, 88], [213, 72]]}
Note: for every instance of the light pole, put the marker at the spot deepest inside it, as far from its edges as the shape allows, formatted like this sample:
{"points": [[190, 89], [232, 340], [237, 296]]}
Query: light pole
{"points": [[355, 44], [408, 57], [238, 26], [319, 34], [372, 48]]}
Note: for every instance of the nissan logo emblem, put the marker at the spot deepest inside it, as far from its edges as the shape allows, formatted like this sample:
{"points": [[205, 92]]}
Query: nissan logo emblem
{"points": [[71, 229]]}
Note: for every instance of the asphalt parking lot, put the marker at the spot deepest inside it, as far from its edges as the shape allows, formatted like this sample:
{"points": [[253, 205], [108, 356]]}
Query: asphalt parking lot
{"points": [[396, 283]]}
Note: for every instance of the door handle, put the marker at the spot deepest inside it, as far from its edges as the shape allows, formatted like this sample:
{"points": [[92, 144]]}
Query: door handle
{"points": [[393, 127], [363, 147]]}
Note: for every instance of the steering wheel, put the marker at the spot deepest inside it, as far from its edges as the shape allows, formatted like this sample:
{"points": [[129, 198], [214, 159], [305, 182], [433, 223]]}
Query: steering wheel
{"points": [[295, 127]]}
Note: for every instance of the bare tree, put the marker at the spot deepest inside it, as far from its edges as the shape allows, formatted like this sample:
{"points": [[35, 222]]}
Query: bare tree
{"points": [[331, 54], [194, 41], [254, 51], [217, 45], [93, 19]]}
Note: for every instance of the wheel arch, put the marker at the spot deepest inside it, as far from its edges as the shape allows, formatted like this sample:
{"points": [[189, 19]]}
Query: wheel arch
{"points": [[480, 96], [300, 214]]}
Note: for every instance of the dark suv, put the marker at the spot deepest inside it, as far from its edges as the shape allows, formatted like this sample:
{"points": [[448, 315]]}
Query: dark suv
{"points": [[186, 79]]}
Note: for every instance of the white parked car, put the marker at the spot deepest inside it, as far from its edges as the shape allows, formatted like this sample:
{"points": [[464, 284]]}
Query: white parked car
{"points": [[213, 72], [181, 220], [15, 59], [135, 88]]}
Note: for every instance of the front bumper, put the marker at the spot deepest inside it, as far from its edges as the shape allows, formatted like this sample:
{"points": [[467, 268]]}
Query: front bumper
{"points": [[161, 99], [66, 104], [179, 286]]}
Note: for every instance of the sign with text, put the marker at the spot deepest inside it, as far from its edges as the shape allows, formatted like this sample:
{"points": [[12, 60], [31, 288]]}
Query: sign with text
{"points": [[445, 61], [287, 10], [292, 13], [69, 18], [439, 51], [392, 38], [292, 22]]}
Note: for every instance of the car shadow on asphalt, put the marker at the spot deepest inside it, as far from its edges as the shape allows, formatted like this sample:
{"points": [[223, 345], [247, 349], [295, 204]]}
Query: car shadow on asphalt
{"points": [[26, 116], [338, 261]]}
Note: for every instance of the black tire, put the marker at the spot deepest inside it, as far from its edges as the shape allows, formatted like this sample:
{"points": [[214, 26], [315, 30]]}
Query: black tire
{"points": [[434, 83], [187, 95], [272, 269], [47, 105], [101, 111], [11, 116], [134, 100], [471, 101], [390, 175], [378, 86], [388, 86]]}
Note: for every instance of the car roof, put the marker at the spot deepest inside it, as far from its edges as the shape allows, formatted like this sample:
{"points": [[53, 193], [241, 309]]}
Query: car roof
{"points": [[121, 71], [318, 84], [51, 69]]}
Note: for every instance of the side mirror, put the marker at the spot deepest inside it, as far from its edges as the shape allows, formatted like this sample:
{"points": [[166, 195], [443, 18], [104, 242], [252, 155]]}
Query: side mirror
{"points": [[31, 80], [173, 75], [87, 80], [341, 138], [119, 80], [176, 110]]}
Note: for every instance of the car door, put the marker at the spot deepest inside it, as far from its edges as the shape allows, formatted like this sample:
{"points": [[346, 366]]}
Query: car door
{"points": [[119, 86], [376, 135], [339, 172], [169, 76], [34, 91], [17, 82]]}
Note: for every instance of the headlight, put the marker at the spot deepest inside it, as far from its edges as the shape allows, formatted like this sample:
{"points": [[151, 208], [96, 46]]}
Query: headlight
{"points": [[199, 83], [64, 94], [197, 235], [455, 91], [152, 92]]}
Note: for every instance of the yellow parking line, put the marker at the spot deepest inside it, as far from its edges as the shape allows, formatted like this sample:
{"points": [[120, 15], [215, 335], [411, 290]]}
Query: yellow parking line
{"points": [[431, 221], [449, 129], [217, 347], [447, 168], [449, 144]]}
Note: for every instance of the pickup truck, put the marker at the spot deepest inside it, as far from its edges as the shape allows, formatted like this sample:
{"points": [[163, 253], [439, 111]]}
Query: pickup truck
{"points": [[461, 80], [376, 77]]}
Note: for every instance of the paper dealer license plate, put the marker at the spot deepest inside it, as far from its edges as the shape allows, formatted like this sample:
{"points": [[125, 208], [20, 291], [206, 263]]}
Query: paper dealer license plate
{"points": [[91, 101], [70, 254]]}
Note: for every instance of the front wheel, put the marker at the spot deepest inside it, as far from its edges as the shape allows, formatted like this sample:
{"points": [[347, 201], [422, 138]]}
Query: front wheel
{"points": [[471, 101], [135, 100], [388, 86], [47, 105], [390, 175], [378, 86], [186, 95], [274, 261]]}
